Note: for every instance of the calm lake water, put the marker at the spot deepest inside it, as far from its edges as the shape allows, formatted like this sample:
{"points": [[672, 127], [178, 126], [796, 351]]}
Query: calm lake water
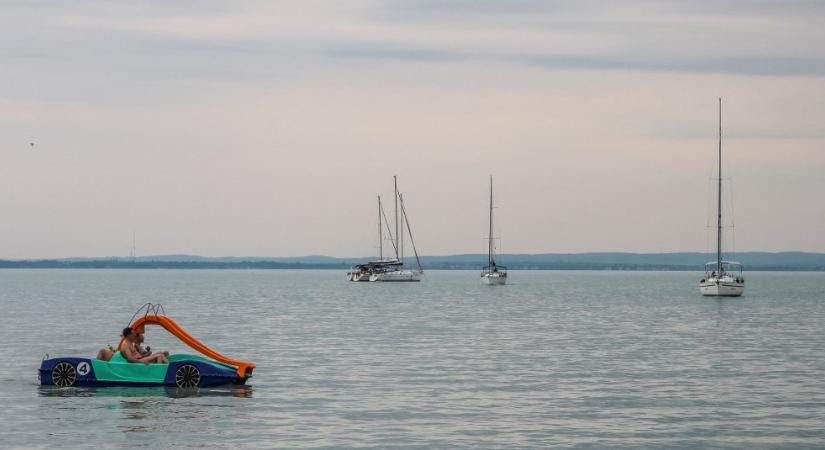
{"points": [[555, 358]]}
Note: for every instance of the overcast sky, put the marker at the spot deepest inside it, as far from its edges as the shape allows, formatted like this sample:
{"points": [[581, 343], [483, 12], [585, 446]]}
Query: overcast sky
{"points": [[268, 128]]}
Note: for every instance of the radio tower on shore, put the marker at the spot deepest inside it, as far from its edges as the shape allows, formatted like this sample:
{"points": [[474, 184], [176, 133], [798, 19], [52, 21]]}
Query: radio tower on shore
{"points": [[132, 250]]}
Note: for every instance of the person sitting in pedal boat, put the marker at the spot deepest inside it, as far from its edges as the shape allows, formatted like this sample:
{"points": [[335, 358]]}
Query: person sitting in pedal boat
{"points": [[132, 354]]}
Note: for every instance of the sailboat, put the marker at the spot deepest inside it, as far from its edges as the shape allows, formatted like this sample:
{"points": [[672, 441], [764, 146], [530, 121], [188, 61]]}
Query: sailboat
{"points": [[722, 278], [492, 273], [363, 272], [396, 271]]}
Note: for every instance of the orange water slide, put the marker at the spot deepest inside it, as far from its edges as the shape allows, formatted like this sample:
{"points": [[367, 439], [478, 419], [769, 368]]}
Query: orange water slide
{"points": [[244, 367]]}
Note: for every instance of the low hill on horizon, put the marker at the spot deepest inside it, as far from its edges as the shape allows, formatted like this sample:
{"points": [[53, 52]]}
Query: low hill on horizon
{"points": [[542, 261]]}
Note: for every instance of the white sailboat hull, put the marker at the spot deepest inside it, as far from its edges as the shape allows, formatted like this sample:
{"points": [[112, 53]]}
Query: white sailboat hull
{"points": [[721, 288], [363, 276], [493, 279], [396, 275]]}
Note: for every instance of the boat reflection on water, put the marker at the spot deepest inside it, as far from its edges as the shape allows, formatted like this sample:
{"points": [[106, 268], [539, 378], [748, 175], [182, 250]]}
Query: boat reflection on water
{"points": [[157, 391]]}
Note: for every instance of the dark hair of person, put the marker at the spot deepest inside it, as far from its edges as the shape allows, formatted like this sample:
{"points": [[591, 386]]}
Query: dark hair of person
{"points": [[127, 331]]}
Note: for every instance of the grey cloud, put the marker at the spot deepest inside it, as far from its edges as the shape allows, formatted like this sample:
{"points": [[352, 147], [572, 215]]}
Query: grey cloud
{"points": [[758, 66], [136, 64], [755, 66], [380, 52], [115, 66], [432, 9], [737, 37], [739, 7], [418, 9]]}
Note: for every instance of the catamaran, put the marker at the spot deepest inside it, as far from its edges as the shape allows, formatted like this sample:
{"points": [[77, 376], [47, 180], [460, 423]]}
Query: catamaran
{"points": [[395, 271], [492, 273], [363, 272], [722, 278]]}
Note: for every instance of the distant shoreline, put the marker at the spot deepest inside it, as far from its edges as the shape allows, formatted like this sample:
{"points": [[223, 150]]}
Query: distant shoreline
{"points": [[753, 261], [336, 268]]}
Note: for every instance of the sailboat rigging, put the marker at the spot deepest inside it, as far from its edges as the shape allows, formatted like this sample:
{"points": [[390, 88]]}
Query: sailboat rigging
{"points": [[395, 271], [389, 269], [722, 278], [492, 273]]}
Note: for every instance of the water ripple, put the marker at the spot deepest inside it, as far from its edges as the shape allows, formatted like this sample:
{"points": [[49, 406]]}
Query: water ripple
{"points": [[555, 359]]}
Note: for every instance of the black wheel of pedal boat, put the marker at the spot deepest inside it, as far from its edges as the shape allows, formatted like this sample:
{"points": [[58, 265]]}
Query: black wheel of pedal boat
{"points": [[187, 376], [64, 374]]}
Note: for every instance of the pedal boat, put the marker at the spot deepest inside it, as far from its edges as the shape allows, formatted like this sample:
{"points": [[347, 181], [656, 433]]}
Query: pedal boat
{"points": [[183, 370]]}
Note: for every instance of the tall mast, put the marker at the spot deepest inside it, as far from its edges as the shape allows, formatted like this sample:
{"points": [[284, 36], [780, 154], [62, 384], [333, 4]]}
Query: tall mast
{"points": [[490, 237], [401, 227], [719, 196], [380, 233], [395, 184]]}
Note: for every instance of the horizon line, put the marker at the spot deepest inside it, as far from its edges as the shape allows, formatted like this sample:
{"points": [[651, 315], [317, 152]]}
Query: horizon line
{"points": [[166, 255]]}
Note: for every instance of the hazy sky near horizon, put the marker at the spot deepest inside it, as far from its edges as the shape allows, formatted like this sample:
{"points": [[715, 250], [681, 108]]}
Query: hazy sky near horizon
{"points": [[268, 128]]}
